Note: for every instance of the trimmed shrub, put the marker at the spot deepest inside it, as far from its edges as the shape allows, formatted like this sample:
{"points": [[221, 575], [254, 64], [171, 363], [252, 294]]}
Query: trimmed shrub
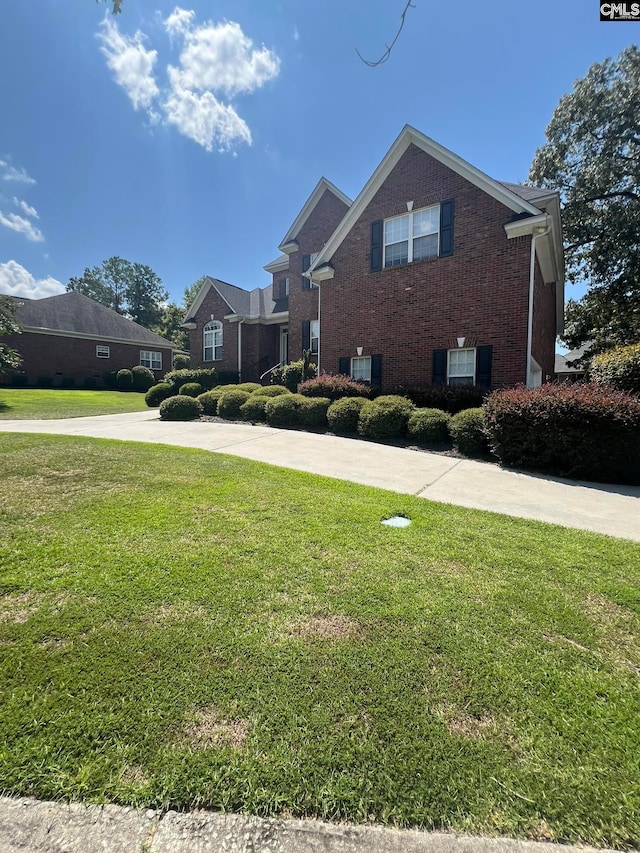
{"points": [[249, 386], [181, 362], [68, 382], [229, 403], [333, 387], [157, 393], [254, 408], [448, 398], [468, 433], [429, 426], [89, 383], [180, 408], [143, 378], [191, 389], [580, 430], [313, 413], [207, 377], [342, 416], [209, 400], [271, 391], [227, 377], [385, 417], [110, 379], [291, 375], [44, 381], [619, 367], [284, 410], [124, 380]]}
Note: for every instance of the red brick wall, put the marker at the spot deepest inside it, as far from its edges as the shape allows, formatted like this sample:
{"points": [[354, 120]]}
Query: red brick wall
{"points": [[60, 356], [214, 308], [406, 312], [260, 349], [543, 339], [303, 304]]}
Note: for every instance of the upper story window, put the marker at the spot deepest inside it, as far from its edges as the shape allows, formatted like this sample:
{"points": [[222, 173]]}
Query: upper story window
{"points": [[152, 360], [103, 351], [412, 237], [283, 288], [461, 367], [212, 341]]}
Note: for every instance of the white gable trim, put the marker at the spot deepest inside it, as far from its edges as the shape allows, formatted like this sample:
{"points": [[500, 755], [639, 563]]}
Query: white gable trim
{"points": [[207, 284], [407, 137], [318, 191]]}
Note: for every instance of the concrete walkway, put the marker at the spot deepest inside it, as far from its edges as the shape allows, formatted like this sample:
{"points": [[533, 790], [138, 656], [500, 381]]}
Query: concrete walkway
{"points": [[28, 825], [610, 509]]}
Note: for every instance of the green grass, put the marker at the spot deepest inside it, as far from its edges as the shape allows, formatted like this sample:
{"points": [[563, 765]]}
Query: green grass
{"points": [[39, 403], [183, 629]]}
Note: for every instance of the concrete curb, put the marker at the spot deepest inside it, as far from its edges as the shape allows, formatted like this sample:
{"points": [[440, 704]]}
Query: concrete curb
{"points": [[45, 827]]}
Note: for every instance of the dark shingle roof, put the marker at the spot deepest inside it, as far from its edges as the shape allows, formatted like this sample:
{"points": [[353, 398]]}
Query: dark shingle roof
{"points": [[74, 312], [258, 302], [527, 193]]}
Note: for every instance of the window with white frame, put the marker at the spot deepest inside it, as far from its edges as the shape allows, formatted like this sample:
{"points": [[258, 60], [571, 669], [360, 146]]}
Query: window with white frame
{"points": [[283, 287], [103, 352], [213, 341], [412, 237], [461, 367], [361, 368], [314, 335], [152, 360]]}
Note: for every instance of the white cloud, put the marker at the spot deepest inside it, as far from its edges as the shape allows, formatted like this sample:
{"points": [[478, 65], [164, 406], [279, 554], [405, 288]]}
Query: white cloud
{"points": [[217, 61], [296, 34], [131, 63], [10, 173], [15, 280], [22, 226], [26, 208]]}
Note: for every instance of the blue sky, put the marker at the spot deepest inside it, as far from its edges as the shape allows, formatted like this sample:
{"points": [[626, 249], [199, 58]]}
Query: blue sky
{"points": [[188, 137]]}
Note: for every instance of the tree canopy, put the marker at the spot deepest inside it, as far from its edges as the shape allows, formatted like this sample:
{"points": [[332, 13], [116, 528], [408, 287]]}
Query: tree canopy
{"points": [[173, 316], [131, 289], [592, 156], [9, 358]]}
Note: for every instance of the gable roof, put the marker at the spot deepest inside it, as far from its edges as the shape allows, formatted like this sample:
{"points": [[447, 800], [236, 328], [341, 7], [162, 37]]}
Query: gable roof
{"points": [[319, 190], [75, 313], [258, 303], [410, 136], [528, 193]]}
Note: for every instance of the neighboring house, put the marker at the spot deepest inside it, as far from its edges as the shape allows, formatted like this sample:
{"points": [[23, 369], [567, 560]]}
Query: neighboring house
{"points": [[73, 336], [566, 367], [435, 274]]}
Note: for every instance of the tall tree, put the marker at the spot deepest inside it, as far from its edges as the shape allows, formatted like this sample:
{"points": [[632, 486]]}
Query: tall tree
{"points": [[173, 316], [592, 155], [131, 289], [9, 358]]}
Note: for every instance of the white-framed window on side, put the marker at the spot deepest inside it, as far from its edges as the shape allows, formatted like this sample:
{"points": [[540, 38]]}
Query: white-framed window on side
{"points": [[103, 352], [461, 367], [283, 288], [152, 360], [414, 236], [212, 341], [361, 368], [314, 336]]}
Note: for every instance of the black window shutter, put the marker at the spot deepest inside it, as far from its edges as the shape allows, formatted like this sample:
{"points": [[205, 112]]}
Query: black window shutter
{"points": [[306, 334], [306, 263], [282, 288], [483, 366], [439, 367], [376, 371], [344, 366], [376, 245], [446, 228]]}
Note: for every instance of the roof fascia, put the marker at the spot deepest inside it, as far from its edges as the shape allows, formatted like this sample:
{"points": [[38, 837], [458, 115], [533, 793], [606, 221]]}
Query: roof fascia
{"points": [[197, 302], [277, 266], [318, 191], [63, 333]]}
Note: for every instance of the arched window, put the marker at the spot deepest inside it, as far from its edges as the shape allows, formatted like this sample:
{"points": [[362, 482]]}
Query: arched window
{"points": [[213, 341]]}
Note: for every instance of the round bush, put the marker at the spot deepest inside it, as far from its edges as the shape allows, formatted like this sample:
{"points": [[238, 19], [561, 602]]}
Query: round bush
{"points": [[284, 410], [110, 379], [313, 413], [249, 386], [180, 408], [209, 400], [271, 391], [191, 389], [143, 378], [429, 426], [229, 403], [342, 416], [124, 380], [181, 362], [254, 409], [467, 432], [157, 393], [333, 387], [618, 367], [385, 417], [207, 377]]}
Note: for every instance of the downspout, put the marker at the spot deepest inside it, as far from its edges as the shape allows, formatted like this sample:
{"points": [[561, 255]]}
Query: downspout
{"points": [[240, 322], [319, 291], [532, 276]]}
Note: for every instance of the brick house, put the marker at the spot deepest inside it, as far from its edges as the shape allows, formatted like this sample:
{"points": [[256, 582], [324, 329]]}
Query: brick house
{"points": [[434, 274], [74, 337]]}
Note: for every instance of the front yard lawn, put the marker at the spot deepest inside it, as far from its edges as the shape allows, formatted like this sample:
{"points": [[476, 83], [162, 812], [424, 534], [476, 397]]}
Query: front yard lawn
{"points": [[183, 629], [46, 403]]}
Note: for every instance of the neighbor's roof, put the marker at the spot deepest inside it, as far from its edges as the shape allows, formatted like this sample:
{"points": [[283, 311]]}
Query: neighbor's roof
{"points": [[75, 313], [566, 363]]}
